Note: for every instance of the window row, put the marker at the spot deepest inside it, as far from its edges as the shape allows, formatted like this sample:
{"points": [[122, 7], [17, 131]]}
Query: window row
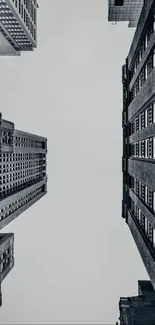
{"points": [[12, 176], [143, 120], [143, 222], [24, 157], [12, 188], [17, 166], [5, 259], [7, 210], [13, 30], [143, 149], [144, 43], [17, 183], [146, 70], [146, 194], [25, 142]]}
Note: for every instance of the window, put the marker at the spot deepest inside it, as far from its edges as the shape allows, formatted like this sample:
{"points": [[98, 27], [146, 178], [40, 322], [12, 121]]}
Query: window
{"points": [[137, 187], [146, 117], [150, 115], [149, 231], [137, 149], [142, 222], [145, 72], [146, 148], [150, 198], [119, 2], [143, 192], [146, 194], [146, 41], [151, 148], [140, 149], [149, 65], [153, 236], [154, 112], [142, 117], [143, 148]]}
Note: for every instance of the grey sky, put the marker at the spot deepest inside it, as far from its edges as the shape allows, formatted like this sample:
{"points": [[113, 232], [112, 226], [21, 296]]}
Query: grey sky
{"points": [[74, 255]]}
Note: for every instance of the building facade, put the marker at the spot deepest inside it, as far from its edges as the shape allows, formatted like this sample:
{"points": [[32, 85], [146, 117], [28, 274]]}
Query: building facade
{"points": [[125, 10], [6, 257], [138, 164], [138, 310], [23, 179], [18, 26]]}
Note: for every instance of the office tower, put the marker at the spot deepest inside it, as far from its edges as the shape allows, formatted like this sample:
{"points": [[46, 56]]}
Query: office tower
{"points": [[125, 10], [6, 257], [18, 26], [139, 310], [138, 206], [23, 178]]}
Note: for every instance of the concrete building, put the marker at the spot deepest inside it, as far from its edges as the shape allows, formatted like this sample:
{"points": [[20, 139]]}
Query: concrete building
{"points": [[6, 257], [139, 310], [125, 10], [138, 205], [18, 26], [23, 178]]}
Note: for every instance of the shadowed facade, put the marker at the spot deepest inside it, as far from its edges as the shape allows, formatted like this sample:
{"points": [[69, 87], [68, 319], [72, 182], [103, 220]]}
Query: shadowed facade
{"points": [[6, 257], [125, 10], [138, 205]]}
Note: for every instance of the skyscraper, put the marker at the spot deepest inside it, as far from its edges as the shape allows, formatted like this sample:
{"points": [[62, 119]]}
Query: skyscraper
{"points": [[23, 178], [139, 310], [138, 206], [18, 26], [125, 10], [6, 257]]}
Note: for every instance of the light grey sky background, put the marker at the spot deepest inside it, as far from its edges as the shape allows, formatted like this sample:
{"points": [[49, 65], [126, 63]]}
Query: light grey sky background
{"points": [[74, 254]]}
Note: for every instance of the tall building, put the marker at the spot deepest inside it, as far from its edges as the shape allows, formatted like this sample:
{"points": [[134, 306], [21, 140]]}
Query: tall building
{"points": [[6, 257], [138, 205], [23, 179], [18, 26], [125, 10], [139, 310]]}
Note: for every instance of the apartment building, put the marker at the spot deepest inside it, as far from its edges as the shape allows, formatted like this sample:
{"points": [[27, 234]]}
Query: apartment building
{"points": [[138, 205]]}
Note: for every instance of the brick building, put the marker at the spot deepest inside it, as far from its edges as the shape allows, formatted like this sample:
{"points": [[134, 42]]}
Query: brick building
{"points": [[138, 205]]}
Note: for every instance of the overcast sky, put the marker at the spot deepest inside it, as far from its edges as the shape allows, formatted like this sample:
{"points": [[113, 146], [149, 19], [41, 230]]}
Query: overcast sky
{"points": [[74, 254]]}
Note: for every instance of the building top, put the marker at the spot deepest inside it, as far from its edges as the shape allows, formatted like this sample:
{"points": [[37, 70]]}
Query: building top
{"points": [[139, 310], [18, 24], [144, 20], [12, 140], [125, 10]]}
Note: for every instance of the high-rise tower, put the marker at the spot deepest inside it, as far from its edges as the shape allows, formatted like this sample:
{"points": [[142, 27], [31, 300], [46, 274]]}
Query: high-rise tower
{"points": [[138, 206], [18, 26], [23, 179]]}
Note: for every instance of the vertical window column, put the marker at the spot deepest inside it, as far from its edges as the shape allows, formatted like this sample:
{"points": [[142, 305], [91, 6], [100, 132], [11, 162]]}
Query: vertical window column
{"points": [[146, 117], [149, 231], [151, 148], [146, 148], [142, 222], [153, 58]]}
